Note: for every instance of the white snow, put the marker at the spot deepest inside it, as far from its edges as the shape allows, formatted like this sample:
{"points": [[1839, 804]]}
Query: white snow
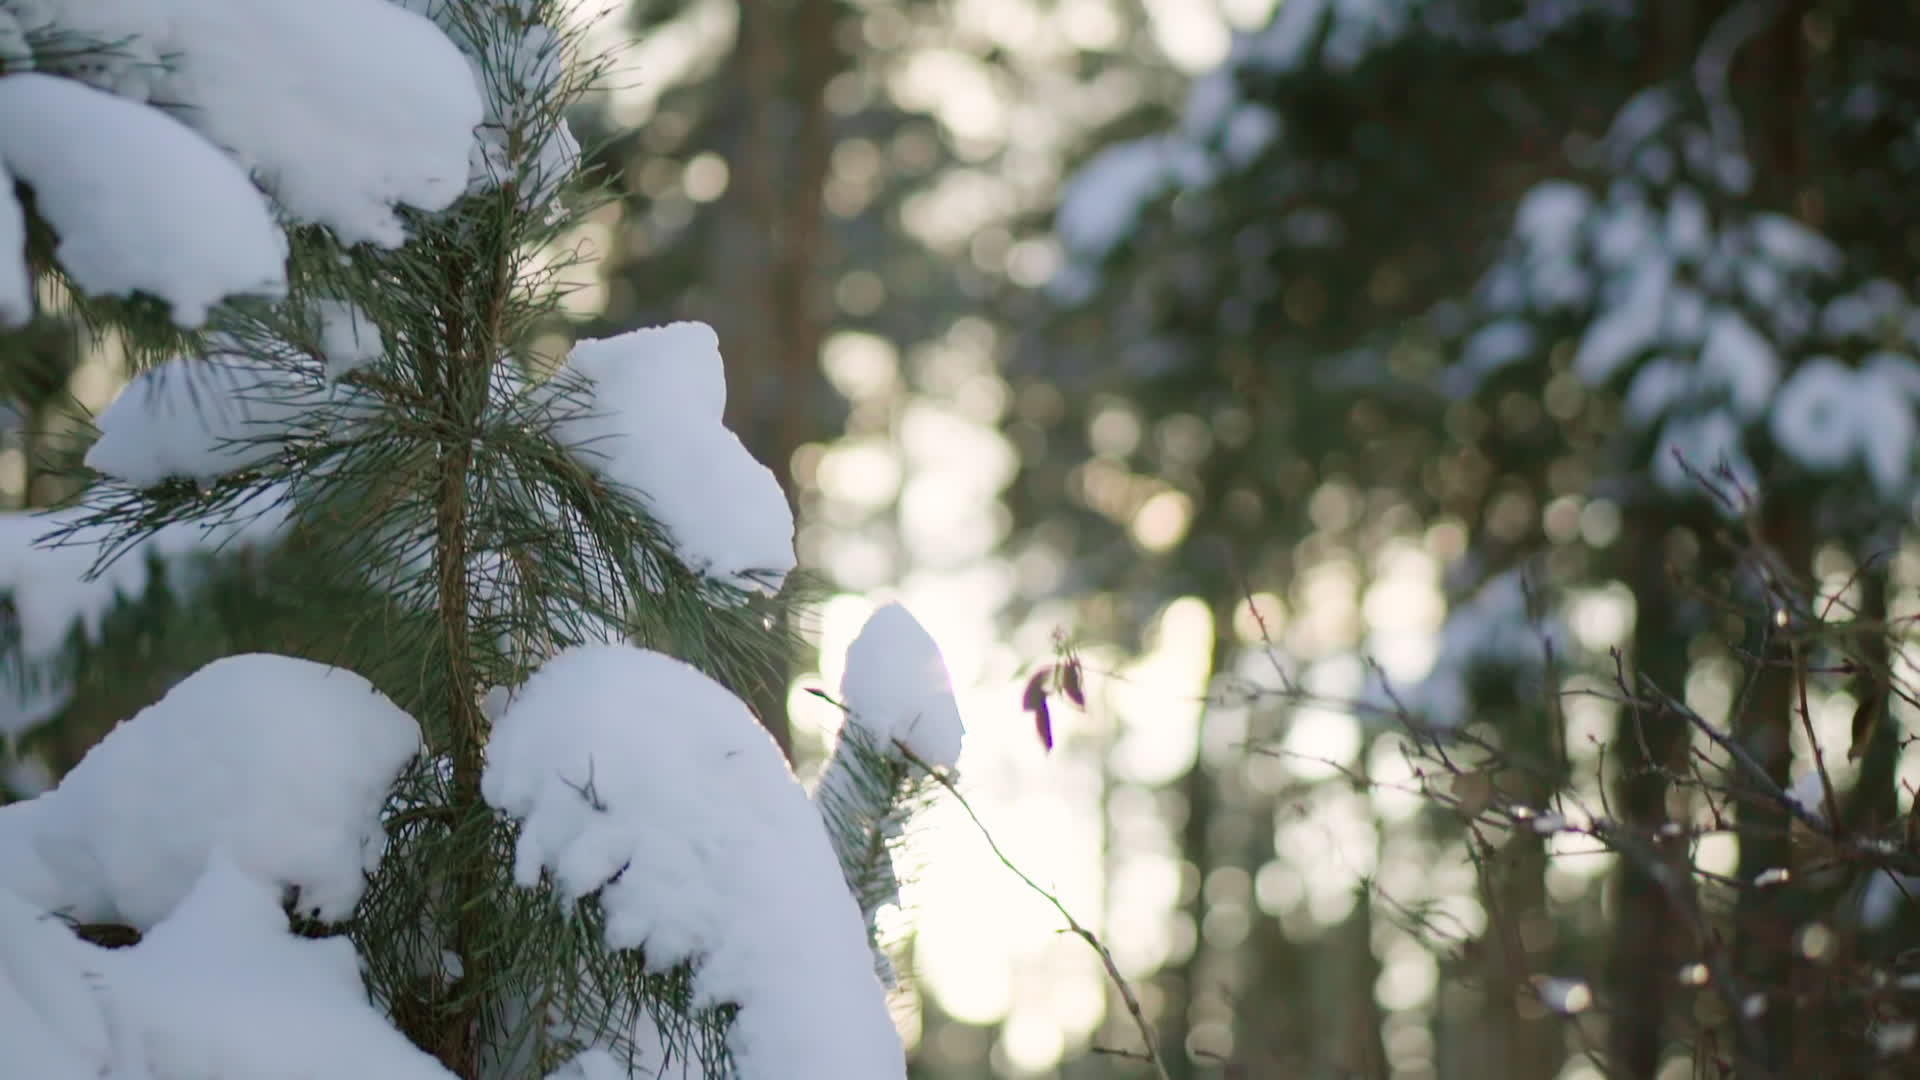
{"points": [[1496, 345], [1657, 386], [1793, 245], [284, 763], [222, 990], [635, 777], [50, 1022], [896, 687], [1627, 327], [219, 990], [22, 870], [1551, 215], [1829, 417], [349, 340], [47, 582], [1689, 229], [342, 110], [204, 417], [1106, 196], [1704, 442], [654, 425], [1739, 358], [185, 225]]}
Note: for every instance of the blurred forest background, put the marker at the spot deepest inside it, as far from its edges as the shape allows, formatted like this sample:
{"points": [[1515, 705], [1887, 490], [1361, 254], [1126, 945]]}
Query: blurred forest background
{"points": [[1468, 445]]}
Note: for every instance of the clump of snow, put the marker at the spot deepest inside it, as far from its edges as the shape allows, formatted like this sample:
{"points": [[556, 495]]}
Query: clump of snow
{"points": [[897, 689], [349, 340], [50, 1021], [284, 763], [1498, 344], [1627, 327], [1829, 417], [1704, 443], [343, 111], [204, 417], [185, 226], [1738, 357], [1106, 196], [48, 582], [221, 988], [635, 777], [22, 870], [653, 423]]}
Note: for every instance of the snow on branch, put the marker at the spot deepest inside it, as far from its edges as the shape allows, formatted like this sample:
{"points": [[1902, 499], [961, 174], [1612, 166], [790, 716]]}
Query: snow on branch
{"points": [[204, 417], [897, 689], [343, 110], [150, 121], [218, 989], [141, 203], [899, 701], [51, 584], [283, 763], [637, 779], [651, 422]]}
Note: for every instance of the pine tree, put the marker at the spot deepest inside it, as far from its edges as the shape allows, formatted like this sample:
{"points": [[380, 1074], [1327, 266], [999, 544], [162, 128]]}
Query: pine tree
{"points": [[449, 632]]}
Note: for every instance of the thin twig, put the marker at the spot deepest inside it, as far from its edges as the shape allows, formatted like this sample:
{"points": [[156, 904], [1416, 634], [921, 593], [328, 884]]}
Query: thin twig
{"points": [[1152, 1052]]}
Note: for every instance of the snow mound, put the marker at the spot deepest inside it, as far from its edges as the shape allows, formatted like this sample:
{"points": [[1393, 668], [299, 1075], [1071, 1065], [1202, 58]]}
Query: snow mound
{"points": [[51, 1022], [203, 417], [653, 424], [22, 870], [185, 225], [342, 110], [221, 989], [284, 763], [634, 776], [897, 689]]}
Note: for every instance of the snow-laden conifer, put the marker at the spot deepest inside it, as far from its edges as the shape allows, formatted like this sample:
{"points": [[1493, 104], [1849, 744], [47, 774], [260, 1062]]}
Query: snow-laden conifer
{"points": [[487, 745]]}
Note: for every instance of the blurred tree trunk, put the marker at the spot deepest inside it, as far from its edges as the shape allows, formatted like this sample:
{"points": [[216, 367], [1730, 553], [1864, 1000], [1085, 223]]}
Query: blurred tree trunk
{"points": [[1765, 919], [1361, 1051], [1201, 791], [1652, 745], [770, 243], [1523, 1038]]}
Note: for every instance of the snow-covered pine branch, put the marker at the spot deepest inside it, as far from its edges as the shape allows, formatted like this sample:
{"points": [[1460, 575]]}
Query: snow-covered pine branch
{"points": [[899, 700], [552, 842]]}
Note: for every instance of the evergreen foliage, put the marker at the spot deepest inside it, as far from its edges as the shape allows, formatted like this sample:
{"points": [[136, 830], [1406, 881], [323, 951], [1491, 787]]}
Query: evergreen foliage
{"points": [[425, 528]]}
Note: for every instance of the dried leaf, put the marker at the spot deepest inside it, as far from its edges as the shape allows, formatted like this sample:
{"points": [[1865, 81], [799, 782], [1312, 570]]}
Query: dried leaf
{"points": [[1070, 682], [1036, 693]]}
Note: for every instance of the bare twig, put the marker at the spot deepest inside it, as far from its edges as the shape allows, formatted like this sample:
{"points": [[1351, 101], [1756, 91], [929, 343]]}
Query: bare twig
{"points": [[1152, 1052]]}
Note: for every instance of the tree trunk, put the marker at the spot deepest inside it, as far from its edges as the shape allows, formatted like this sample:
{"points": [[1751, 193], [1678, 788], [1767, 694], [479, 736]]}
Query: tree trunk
{"points": [[770, 247], [1765, 919], [1651, 745]]}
